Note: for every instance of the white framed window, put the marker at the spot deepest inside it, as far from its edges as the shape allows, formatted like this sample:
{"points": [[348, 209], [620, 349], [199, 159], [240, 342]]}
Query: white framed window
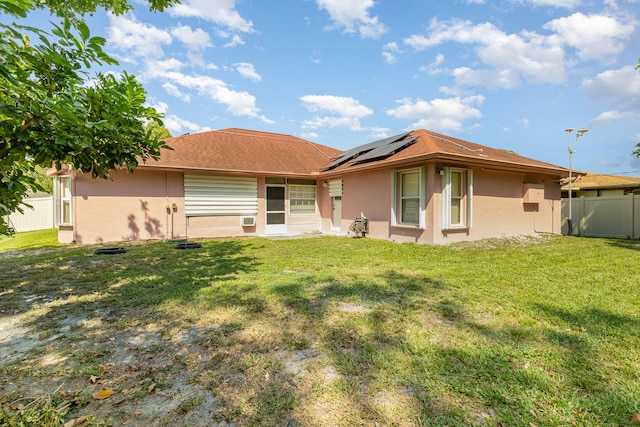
{"points": [[302, 199], [408, 195], [63, 200], [457, 203]]}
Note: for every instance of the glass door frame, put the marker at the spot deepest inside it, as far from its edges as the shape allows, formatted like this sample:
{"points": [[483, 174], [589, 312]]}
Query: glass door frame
{"points": [[277, 228]]}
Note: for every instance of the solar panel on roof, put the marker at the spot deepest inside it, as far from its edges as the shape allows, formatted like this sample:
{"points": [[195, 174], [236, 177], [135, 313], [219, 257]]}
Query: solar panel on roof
{"points": [[336, 163], [354, 152], [359, 151], [384, 151]]}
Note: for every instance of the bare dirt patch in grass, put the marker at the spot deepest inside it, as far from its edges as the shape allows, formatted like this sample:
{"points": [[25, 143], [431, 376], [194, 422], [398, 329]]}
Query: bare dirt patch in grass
{"points": [[145, 371], [189, 375]]}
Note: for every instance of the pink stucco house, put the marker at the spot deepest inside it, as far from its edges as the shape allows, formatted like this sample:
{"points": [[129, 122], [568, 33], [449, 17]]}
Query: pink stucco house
{"points": [[419, 186]]}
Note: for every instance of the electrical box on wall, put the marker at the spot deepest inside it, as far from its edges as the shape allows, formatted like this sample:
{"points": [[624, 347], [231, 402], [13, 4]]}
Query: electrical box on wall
{"points": [[532, 193], [247, 221]]}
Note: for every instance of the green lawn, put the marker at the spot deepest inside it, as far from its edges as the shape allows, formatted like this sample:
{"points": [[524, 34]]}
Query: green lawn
{"points": [[29, 240], [514, 332]]}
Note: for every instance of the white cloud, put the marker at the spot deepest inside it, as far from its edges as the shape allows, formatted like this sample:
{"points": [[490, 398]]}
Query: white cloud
{"points": [[524, 122], [567, 4], [175, 124], [621, 86], [196, 40], [389, 52], [379, 133], [612, 116], [434, 67], [438, 114], [236, 40], [511, 57], [221, 12], [505, 79], [343, 111], [178, 126], [248, 70], [353, 16], [371, 28], [238, 103], [596, 37], [309, 135], [127, 33], [173, 90], [171, 64], [455, 30], [160, 107]]}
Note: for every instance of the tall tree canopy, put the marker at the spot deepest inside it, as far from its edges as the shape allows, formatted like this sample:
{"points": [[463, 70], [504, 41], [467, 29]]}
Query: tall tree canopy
{"points": [[158, 131], [53, 112]]}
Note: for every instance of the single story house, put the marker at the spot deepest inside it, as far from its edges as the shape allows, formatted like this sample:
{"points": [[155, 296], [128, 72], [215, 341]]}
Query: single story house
{"points": [[598, 185], [419, 186]]}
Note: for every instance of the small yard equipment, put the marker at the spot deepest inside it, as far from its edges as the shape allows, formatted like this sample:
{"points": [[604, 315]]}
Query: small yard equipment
{"points": [[359, 227]]}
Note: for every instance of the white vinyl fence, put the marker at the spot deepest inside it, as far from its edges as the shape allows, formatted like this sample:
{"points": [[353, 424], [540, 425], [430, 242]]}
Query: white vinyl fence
{"points": [[609, 216], [38, 218]]}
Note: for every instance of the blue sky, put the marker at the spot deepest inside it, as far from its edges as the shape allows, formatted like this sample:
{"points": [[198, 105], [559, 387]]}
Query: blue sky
{"points": [[509, 74]]}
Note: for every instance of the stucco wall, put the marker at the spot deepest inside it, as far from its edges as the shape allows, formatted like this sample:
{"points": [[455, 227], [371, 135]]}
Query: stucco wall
{"points": [[134, 207], [499, 209], [128, 207], [217, 226], [368, 194], [498, 206]]}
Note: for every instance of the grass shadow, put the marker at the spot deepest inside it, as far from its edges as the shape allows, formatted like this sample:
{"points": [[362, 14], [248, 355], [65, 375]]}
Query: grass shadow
{"points": [[108, 286], [625, 244], [290, 333]]}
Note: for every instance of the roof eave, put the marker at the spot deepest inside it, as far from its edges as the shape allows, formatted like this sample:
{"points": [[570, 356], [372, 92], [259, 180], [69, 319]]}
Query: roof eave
{"points": [[601, 187], [242, 172], [447, 157]]}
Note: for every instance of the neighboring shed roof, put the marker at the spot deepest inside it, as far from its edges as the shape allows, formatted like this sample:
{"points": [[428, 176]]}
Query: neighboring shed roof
{"points": [[427, 145], [590, 181], [244, 151]]}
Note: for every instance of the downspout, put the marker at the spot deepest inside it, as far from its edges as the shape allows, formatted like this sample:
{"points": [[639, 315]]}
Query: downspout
{"points": [[166, 216], [535, 224], [633, 216], [74, 194]]}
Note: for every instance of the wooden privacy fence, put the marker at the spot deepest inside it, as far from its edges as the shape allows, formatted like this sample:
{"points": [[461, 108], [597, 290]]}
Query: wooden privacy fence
{"points": [[38, 218], [608, 216]]}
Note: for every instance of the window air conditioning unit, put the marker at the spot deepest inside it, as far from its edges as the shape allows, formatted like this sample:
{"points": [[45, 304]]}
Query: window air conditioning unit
{"points": [[247, 221]]}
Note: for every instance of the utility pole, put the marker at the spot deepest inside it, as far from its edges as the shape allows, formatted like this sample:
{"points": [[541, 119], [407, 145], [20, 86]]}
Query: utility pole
{"points": [[579, 133]]}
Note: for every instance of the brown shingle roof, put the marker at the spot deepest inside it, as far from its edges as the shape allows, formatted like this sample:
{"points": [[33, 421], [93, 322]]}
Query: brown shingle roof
{"points": [[593, 181], [253, 152], [434, 146], [244, 151]]}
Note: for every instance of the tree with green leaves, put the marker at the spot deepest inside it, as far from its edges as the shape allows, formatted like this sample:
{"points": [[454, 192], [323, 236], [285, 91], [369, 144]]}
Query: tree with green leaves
{"points": [[158, 131], [54, 113]]}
